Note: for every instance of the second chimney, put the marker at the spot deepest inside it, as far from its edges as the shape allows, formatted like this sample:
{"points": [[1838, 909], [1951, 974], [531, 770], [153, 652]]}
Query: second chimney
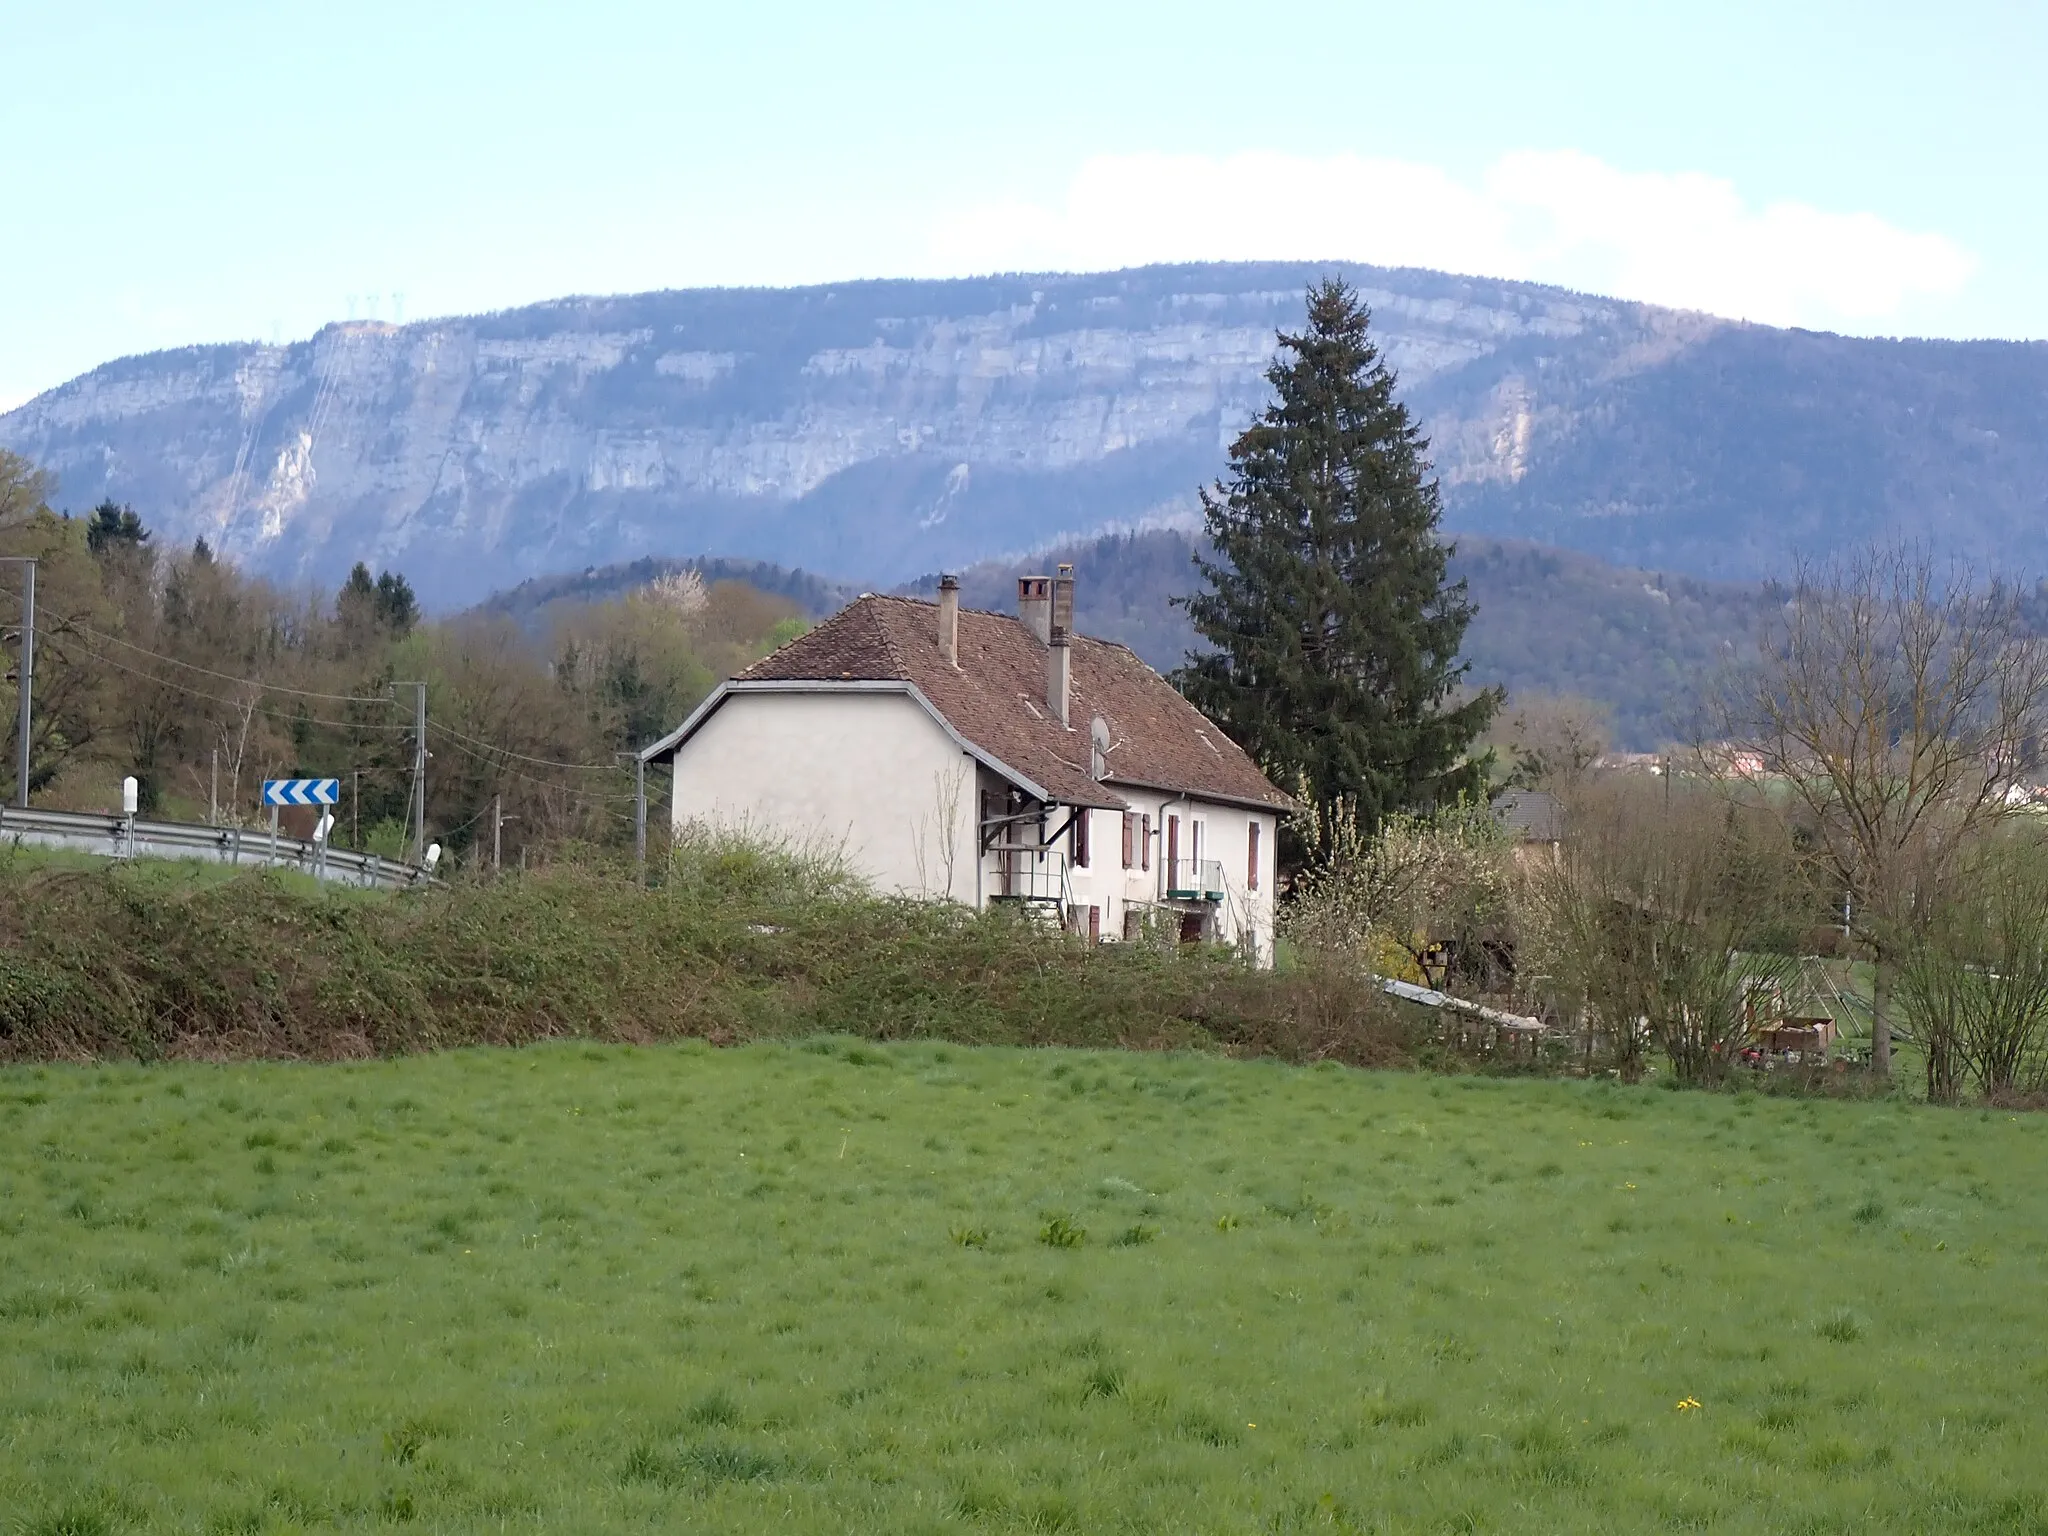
{"points": [[1034, 605], [1059, 674], [949, 621]]}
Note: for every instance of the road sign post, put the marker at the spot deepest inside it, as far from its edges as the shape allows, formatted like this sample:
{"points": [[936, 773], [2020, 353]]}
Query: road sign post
{"points": [[301, 792], [278, 793]]}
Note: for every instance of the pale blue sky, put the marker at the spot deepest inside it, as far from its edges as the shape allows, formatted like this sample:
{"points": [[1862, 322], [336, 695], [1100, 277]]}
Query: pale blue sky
{"points": [[214, 171]]}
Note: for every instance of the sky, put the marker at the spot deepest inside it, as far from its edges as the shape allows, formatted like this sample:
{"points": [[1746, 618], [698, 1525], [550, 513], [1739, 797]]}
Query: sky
{"points": [[220, 171]]}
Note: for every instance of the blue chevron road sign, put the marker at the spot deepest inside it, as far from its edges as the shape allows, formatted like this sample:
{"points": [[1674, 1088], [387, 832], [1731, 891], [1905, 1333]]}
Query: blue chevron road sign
{"points": [[302, 791]]}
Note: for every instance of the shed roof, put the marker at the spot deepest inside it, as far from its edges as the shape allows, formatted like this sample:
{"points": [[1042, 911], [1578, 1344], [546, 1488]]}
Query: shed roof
{"points": [[1533, 815]]}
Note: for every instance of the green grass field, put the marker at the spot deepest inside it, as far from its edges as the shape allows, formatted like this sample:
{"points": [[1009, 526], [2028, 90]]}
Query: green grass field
{"points": [[579, 1288]]}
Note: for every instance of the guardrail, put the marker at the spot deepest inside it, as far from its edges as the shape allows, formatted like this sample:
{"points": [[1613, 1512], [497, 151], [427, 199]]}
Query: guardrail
{"points": [[119, 837]]}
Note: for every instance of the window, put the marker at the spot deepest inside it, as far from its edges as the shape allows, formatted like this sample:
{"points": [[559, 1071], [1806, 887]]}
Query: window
{"points": [[1145, 841], [1251, 871], [1080, 839]]}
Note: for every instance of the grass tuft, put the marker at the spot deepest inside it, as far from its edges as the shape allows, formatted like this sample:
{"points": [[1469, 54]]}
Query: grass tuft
{"points": [[1842, 1327], [1061, 1231]]}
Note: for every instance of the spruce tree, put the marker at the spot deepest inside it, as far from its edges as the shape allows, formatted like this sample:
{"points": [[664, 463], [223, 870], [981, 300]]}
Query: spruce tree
{"points": [[1335, 632]]}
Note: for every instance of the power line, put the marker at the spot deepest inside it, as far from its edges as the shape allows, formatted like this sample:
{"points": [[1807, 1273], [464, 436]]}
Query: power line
{"points": [[228, 677], [76, 627], [214, 698], [543, 762], [586, 795]]}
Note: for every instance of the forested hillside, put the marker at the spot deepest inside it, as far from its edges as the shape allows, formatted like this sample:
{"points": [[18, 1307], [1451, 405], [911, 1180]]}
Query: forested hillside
{"points": [[1549, 620], [169, 663]]}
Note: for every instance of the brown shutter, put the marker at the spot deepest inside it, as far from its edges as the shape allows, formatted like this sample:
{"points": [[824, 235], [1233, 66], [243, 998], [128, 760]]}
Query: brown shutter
{"points": [[1145, 841], [1251, 878], [1172, 849], [1081, 839], [1095, 925], [1130, 835]]}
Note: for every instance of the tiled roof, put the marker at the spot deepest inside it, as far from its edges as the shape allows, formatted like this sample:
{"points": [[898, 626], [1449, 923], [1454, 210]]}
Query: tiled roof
{"points": [[1533, 815], [996, 701]]}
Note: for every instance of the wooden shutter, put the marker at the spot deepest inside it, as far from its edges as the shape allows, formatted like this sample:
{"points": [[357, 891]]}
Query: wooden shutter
{"points": [[1095, 925], [1130, 835], [1081, 839], [1145, 841], [1172, 848], [1251, 874]]}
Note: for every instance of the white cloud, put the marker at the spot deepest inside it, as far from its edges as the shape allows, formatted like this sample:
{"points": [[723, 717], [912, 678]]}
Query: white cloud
{"points": [[1554, 216]]}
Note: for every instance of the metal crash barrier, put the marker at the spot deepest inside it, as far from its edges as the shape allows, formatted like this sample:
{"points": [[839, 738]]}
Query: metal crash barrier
{"points": [[127, 837]]}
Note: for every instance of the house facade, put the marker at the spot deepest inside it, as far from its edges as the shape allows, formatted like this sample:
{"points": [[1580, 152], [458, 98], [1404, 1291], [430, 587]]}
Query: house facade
{"points": [[990, 758]]}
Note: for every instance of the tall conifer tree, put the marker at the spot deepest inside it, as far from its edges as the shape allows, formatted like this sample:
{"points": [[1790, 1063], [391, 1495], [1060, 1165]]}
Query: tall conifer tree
{"points": [[1335, 633]]}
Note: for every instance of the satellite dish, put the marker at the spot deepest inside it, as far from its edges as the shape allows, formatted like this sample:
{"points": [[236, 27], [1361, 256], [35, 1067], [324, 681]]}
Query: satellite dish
{"points": [[1098, 748]]}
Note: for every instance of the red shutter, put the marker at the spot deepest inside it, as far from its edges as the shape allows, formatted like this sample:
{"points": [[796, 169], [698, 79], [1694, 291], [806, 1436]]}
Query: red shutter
{"points": [[1130, 835], [1251, 878]]}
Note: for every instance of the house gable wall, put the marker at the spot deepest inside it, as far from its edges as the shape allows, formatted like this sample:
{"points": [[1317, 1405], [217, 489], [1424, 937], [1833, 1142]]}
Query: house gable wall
{"points": [[869, 777]]}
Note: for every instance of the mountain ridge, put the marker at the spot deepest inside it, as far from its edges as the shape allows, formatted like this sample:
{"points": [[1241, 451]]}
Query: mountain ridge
{"points": [[896, 426]]}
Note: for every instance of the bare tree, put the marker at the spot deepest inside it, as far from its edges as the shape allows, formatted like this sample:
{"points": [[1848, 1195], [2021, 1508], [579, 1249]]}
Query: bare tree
{"points": [[1974, 981], [1899, 705], [24, 489], [1551, 741], [1657, 921]]}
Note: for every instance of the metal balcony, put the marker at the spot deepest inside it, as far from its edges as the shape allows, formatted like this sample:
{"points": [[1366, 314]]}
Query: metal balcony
{"points": [[1194, 880]]}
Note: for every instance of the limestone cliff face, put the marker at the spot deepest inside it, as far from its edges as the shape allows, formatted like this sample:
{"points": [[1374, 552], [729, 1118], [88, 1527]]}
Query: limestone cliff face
{"points": [[872, 429]]}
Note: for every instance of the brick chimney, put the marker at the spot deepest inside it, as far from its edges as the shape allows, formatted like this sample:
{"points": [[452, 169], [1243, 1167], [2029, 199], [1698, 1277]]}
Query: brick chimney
{"points": [[949, 620], [1059, 673], [1034, 605]]}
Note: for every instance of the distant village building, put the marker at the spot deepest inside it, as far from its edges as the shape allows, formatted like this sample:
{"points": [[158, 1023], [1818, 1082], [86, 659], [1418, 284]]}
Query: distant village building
{"points": [[991, 758]]}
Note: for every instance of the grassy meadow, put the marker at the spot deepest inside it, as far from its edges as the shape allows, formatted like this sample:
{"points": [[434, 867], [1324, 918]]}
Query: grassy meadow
{"points": [[843, 1286]]}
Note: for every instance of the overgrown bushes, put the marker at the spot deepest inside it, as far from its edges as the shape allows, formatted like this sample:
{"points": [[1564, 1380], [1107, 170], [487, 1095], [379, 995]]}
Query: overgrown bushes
{"points": [[738, 943]]}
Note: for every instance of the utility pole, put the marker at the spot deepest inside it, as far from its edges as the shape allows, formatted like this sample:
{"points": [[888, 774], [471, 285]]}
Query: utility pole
{"points": [[497, 833], [355, 809], [25, 674], [640, 815], [213, 791], [419, 770], [639, 812]]}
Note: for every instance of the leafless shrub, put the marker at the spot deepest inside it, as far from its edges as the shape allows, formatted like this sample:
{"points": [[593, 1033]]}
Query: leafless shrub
{"points": [[1650, 926], [1974, 980]]}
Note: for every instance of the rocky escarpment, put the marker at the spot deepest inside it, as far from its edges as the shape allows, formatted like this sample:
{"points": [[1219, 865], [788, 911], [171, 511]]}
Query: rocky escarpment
{"points": [[885, 428]]}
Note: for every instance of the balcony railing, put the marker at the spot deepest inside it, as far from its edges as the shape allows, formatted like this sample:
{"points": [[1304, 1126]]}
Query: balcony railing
{"points": [[1028, 874], [1195, 880]]}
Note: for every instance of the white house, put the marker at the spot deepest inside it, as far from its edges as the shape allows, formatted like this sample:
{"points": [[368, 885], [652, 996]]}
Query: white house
{"points": [[990, 758]]}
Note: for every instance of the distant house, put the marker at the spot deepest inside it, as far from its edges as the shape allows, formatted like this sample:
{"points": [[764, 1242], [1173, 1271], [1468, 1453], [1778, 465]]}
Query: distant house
{"points": [[1532, 817], [991, 758]]}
